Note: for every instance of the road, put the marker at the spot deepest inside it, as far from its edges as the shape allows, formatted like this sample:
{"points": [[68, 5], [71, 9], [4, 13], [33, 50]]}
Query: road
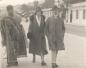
{"points": [[73, 56], [79, 30]]}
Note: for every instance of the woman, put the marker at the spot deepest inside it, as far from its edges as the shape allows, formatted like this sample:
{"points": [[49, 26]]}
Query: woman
{"points": [[55, 33], [36, 35]]}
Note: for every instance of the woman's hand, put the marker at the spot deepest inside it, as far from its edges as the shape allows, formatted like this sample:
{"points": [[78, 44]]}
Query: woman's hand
{"points": [[29, 35]]}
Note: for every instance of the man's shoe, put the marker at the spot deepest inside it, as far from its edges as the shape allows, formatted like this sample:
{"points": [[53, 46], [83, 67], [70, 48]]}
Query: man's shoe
{"points": [[43, 63], [9, 65], [54, 65], [34, 58], [15, 64]]}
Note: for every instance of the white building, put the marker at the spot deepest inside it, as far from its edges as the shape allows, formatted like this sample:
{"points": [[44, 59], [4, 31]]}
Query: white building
{"points": [[77, 14]]}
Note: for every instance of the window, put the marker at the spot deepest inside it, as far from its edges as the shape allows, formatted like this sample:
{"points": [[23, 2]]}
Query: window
{"points": [[84, 14], [71, 15], [77, 14]]}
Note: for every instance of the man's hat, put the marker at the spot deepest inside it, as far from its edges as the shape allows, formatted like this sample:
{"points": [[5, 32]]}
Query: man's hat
{"points": [[9, 7], [55, 8]]}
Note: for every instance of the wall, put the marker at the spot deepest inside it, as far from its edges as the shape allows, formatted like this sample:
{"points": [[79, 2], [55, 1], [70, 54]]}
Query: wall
{"points": [[78, 8]]}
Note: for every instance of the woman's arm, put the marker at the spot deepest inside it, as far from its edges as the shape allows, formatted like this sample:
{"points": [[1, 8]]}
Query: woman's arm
{"points": [[29, 34], [63, 26], [47, 27]]}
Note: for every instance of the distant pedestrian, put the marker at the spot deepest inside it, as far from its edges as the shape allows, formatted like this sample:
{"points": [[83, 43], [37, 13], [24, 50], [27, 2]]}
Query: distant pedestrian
{"points": [[36, 35], [55, 33], [22, 42], [10, 35], [13, 36]]}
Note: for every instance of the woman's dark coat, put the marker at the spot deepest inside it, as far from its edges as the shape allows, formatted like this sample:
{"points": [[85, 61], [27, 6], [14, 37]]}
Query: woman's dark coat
{"points": [[37, 37]]}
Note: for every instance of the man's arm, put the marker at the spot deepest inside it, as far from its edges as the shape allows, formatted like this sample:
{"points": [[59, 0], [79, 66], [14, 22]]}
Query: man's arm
{"points": [[3, 32]]}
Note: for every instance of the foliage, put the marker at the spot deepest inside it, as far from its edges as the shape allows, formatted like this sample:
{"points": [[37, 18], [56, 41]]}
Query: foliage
{"points": [[48, 3]]}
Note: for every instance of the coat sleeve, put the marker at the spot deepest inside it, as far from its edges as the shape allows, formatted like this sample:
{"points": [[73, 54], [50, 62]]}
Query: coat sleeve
{"points": [[3, 34], [47, 27], [29, 34], [63, 26], [44, 23]]}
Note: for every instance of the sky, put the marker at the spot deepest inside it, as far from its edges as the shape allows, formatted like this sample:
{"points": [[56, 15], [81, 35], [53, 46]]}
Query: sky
{"points": [[14, 2]]}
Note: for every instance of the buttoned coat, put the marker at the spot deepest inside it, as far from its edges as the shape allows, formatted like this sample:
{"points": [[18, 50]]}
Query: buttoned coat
{"points": [[37, 37], [55, 30]]}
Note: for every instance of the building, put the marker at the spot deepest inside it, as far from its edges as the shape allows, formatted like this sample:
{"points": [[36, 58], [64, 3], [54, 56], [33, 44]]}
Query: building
{"points": [[77, 13]]}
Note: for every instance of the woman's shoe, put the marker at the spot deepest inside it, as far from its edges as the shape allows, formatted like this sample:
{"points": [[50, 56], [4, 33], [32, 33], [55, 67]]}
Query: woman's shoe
{"points": [[43, 63], [56, 65], [12, 64]]}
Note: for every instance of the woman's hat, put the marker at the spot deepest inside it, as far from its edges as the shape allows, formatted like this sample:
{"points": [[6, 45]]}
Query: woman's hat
{"points": [[38, 9]]}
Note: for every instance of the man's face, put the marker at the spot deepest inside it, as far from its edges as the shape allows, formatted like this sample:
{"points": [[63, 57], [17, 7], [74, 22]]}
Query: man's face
{"points": [[55, 12], [10, 11]]}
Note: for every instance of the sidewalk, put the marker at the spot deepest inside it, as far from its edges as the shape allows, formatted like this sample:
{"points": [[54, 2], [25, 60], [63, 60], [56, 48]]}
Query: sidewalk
{"points": [[72, 57]]}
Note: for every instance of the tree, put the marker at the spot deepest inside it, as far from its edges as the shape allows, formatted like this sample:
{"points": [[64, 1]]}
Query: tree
{"points": [[36, 4], [77, 1], [48, 4], [25, 10], [24, 7]]}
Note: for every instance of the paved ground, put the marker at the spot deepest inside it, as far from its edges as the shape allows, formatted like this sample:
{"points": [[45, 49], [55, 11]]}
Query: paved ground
{"points": [[72, 57]]}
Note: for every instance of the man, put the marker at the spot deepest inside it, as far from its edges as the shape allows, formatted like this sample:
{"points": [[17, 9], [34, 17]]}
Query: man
{"points": [[10, 35], [55, 33]]}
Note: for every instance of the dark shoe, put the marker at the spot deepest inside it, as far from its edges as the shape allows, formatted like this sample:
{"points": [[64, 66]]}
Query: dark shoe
{"points": [[15, 64], [9, 65], [54, 65], [34, 61], [34, 58], [12, 64], [43, 64]]}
